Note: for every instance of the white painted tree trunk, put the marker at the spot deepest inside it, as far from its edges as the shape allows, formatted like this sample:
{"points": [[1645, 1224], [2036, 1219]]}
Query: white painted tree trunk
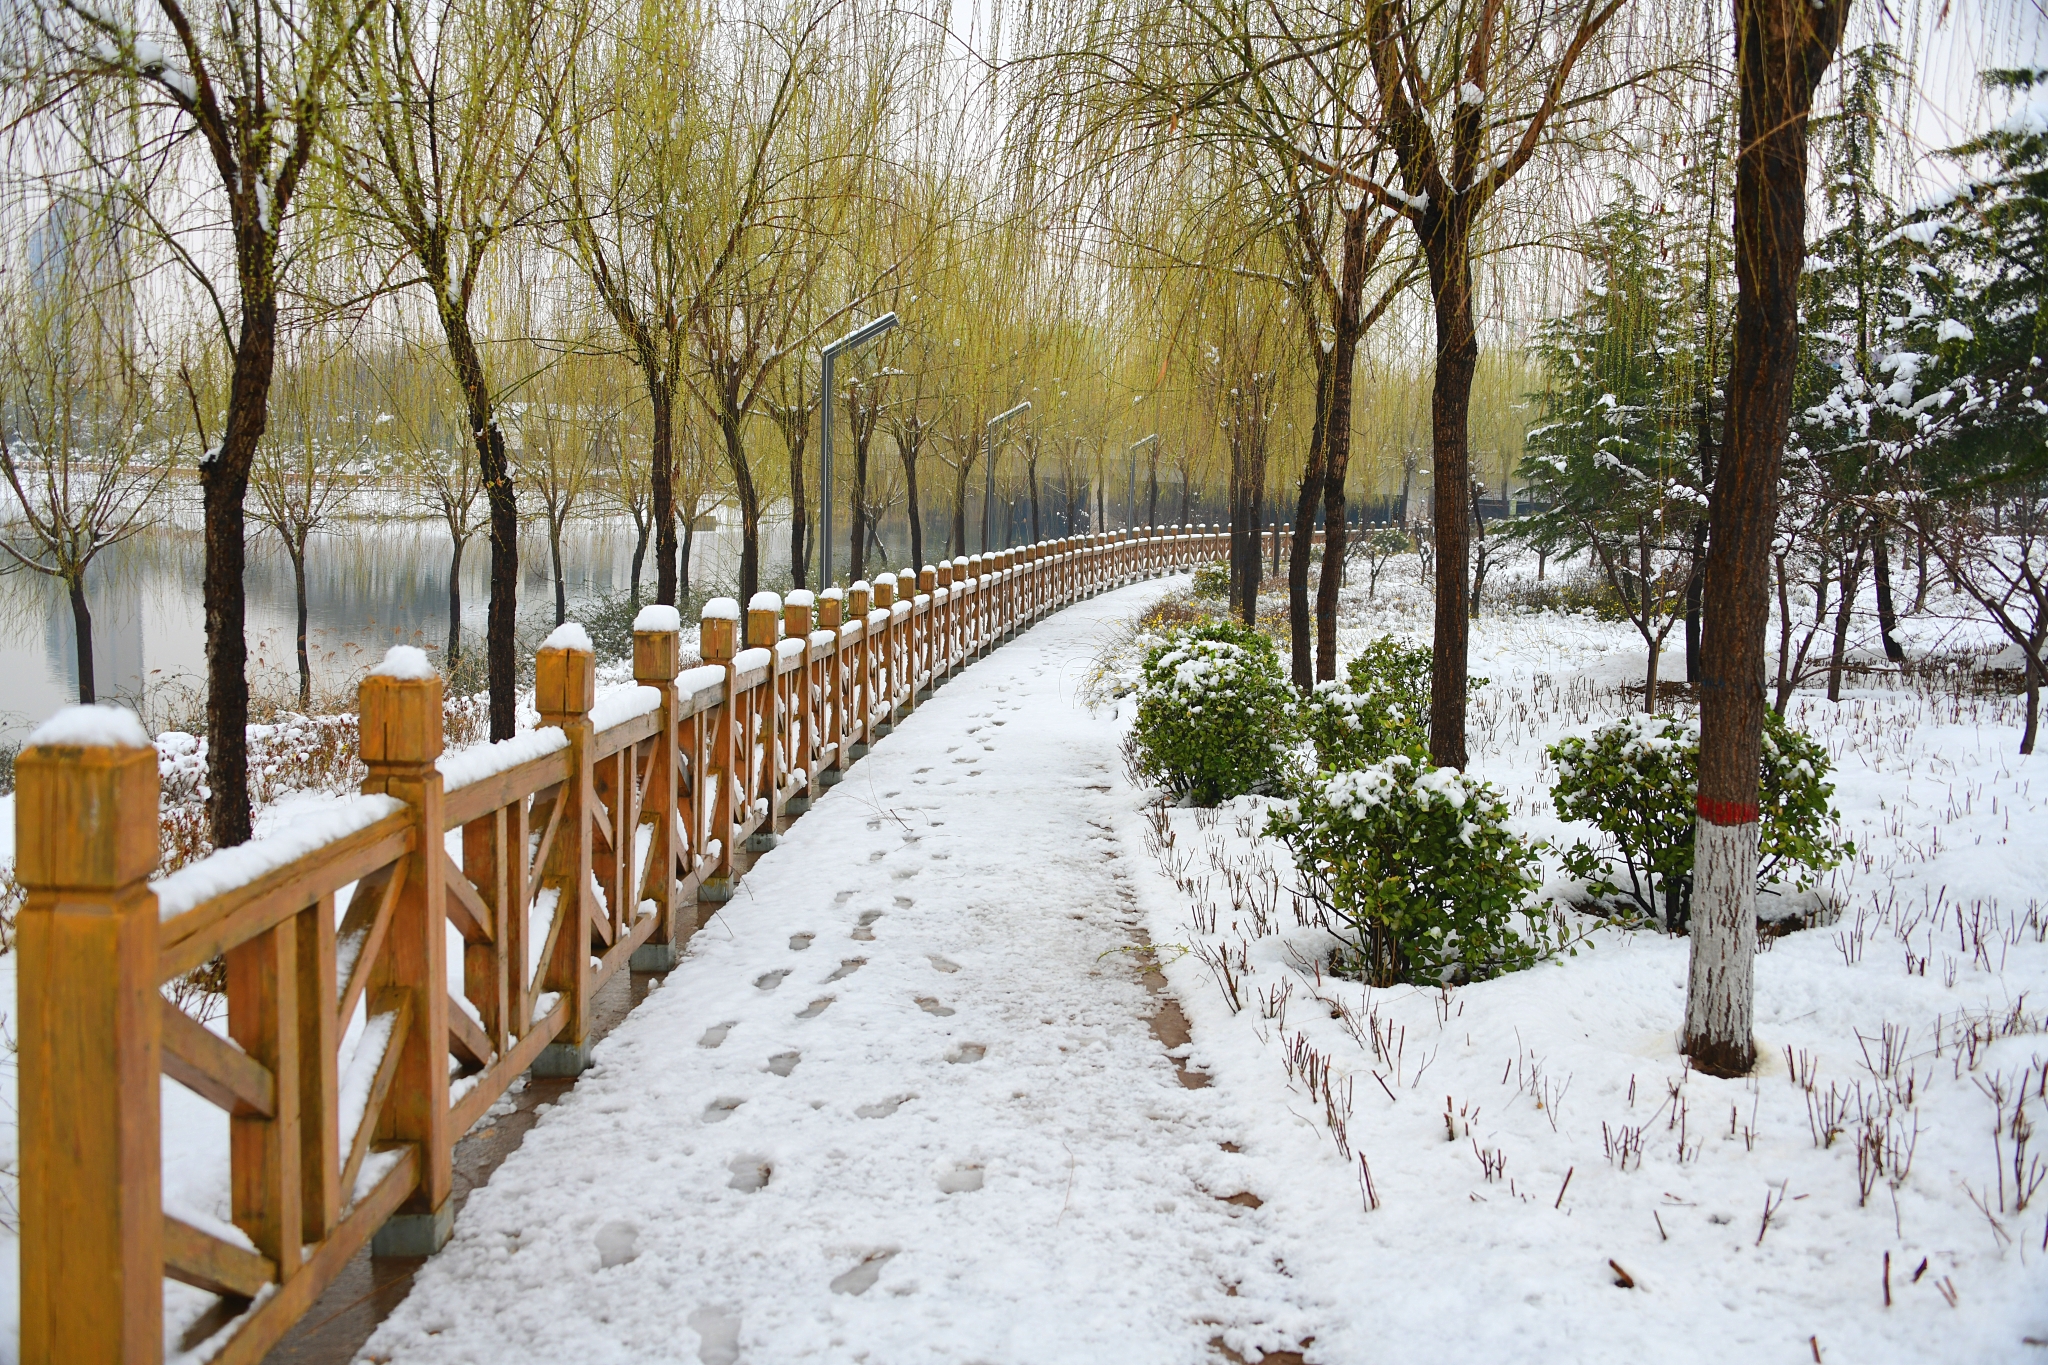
{"points": [[1721, 994]]}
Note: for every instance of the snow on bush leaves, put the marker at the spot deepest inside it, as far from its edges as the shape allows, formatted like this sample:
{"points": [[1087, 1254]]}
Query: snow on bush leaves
{"points": [[1214, 712], [1421, 868], [1636, 780]]}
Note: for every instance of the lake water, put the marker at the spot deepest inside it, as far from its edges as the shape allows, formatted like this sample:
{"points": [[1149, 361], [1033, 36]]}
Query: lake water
{"points": [[369, 585]]}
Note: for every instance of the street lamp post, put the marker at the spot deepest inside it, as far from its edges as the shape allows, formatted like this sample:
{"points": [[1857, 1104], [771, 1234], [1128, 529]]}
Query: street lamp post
{"points": [[988, 455], [852, 341]]}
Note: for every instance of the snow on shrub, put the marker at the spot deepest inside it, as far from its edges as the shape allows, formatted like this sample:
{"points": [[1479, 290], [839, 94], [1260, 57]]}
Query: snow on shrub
{"points": [[1214, 712], [1420, 867], [1381, 709], [1636, 780], [1212, 580]]}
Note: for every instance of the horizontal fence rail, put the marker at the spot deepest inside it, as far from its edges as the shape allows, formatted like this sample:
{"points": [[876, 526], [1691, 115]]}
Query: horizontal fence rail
{"points": [[557, 858]]}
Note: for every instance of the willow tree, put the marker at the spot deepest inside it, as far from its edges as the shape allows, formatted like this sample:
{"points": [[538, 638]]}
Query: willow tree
{"points": [[226, 105], [1466, 95], [448, 124]]}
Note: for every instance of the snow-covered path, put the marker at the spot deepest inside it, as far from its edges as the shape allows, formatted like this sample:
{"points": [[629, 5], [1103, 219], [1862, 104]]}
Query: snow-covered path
{"points": [[899, 1102]]}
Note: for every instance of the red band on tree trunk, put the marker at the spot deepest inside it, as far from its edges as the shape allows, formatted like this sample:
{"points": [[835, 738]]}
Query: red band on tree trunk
{"points": [[1727, 812]]}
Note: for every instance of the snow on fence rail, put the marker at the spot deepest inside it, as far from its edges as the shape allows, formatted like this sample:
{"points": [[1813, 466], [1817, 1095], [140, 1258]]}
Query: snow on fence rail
{"points": [[557, 858]]}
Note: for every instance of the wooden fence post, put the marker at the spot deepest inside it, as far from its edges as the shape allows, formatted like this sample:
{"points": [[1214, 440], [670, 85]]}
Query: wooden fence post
{"points": [[716, 644], [932, 637], [91, 1203], [564, 685], [764, 631], [399, 717], [803, 722], [657, 661], [886, 662], [832, 702], [860, 689]]}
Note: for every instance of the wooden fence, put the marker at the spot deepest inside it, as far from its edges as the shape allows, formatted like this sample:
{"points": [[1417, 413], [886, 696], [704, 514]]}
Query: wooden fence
{"points": [[558, 858]]}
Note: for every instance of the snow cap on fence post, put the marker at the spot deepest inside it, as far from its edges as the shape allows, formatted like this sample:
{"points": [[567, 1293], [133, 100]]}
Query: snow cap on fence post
{"points": [[942, 573], [796, 613], [89, 1033], [657, 645], [831, 609], [764, 620], [564, 674], [858, 600], [885, 590], [398, 710], [718, 630], [927, 579]]}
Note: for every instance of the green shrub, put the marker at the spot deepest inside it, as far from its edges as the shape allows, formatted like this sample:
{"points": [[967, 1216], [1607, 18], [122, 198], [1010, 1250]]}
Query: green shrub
{"points": [[1212, 580], [1636, 780], [1421, 868], [1215, 714]]}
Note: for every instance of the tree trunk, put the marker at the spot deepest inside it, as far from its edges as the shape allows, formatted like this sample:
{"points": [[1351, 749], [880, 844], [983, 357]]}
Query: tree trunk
{"points": [[224, 484], [1302, 666], [81, 628], [1695, 577], [689, 541], [501, 642], [1446, 239], [1782, 48], [858, 549], [1031, 478], [640, 529], [555, 557], [799, 516], [749, 499], [662, 482], [2033, 665], [455, 599], [956, 538], [1336, 465], [1852, 575], [298, 553], [1887, 614], [910, 454]]}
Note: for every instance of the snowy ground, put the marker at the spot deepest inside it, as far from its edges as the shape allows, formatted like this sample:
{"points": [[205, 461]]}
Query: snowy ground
{"points": [[899, 1102], [1532, 1140]]}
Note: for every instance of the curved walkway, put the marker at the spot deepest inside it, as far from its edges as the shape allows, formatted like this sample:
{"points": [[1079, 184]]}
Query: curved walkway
{"points": [[898, 1103]]}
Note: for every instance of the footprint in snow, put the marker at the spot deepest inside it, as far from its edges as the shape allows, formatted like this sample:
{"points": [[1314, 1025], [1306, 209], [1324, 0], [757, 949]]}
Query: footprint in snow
{"points": [[864, 931], [718, 1335], [881, 1109], [782, 1063], [931, 1006], [862, 1277], [799, 942], [967, 1052], [719, 1110], [749, 1173], [959, 1177], [904, 902], [943, 965], [715, 1035], [616, 1244], [768, 981], [814, 1009], [848, 968]]}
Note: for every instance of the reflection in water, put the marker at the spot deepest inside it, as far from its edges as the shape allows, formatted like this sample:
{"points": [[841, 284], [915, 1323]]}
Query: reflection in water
{"points": [[369, 585]]}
